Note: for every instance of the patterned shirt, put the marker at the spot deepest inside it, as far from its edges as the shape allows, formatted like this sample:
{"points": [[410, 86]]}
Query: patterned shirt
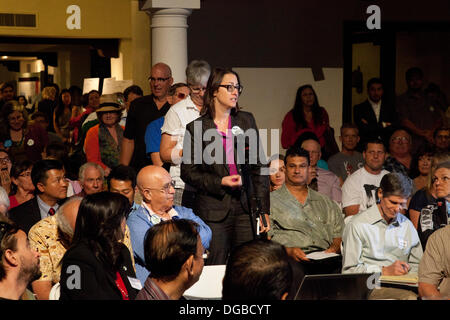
{"points": [[44, 237], [311, 226], [392, 165]]}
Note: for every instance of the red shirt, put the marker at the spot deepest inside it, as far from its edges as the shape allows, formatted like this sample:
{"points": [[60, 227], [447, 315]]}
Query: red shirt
{"points": [[290, 133]]}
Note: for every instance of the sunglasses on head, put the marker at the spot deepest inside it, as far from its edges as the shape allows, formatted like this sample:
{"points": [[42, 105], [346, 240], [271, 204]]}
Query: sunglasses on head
{"points": [[181, 95]]}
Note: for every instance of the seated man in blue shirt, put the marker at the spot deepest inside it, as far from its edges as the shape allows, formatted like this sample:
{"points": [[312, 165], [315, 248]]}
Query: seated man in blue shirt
{"points": [[155, 186], [382, 240]]}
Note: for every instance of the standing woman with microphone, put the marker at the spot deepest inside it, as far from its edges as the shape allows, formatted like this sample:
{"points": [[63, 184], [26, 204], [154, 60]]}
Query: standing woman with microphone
{"points": [[224, 181]]}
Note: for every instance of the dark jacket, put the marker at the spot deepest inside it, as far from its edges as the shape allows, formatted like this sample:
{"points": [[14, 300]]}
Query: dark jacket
{"points": [[95, 281], [373, 128], [27, 214], [213, 201], [48, 106]]}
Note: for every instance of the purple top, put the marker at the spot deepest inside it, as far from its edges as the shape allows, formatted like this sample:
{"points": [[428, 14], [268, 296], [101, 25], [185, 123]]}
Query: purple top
{"points": [[228, 146]]}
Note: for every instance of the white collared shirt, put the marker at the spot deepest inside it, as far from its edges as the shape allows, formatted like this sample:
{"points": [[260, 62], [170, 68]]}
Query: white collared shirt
{"points": [[154, 218], [376, 106], [175, 121], [44, 208]]}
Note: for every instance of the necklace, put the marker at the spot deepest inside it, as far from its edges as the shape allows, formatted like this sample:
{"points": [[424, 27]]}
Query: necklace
{"points": [[221, 121]]}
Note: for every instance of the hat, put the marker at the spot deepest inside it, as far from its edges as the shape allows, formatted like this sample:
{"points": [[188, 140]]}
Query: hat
{"points": [[109, 102]]}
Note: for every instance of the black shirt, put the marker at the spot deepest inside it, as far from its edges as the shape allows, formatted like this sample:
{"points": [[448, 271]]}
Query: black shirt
{"points": [[142, 111]]}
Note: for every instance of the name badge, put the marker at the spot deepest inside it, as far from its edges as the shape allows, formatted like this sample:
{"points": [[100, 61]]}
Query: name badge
{"points": [[402, 243], [135, 283]]}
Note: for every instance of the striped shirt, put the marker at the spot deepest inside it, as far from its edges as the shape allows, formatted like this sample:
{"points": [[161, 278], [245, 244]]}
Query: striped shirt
{"points": [[151, 291]]}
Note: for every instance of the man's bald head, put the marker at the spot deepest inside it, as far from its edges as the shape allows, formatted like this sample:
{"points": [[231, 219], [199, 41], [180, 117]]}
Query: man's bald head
{"points": [[160, 80], [66, 216], [155, 186], [164, 68], [151, 176]]}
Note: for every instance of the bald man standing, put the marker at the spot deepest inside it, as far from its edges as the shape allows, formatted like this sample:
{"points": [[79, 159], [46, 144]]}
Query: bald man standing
{"points": [[142, 111], [157, 190]]}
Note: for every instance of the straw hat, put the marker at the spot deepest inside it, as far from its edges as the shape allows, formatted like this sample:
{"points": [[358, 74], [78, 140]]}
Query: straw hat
{"points": [[110, 102]]}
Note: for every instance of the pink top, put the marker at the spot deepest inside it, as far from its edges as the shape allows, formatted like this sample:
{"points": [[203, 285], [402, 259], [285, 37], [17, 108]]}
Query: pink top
{"points": [[228, 146]]}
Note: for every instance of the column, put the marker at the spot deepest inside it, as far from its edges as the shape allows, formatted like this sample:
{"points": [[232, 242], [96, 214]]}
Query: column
{"points": [[169, 33]]}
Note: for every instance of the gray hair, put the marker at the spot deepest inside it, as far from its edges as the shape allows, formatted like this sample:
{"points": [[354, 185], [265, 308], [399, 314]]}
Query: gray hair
{"points": [[64, 225], [197, 72], [87, 165]]}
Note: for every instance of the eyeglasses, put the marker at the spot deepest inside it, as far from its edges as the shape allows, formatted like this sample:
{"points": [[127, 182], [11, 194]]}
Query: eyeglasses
{"points": [[443, 137], [5, 160], [165, 188], [442, 180], [197, 89], [230, 88], [400, 139], [158, 79]]}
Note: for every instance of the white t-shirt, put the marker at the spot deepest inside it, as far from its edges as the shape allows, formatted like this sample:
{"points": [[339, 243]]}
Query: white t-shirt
{"points": [[359, 188], [175, 121]]}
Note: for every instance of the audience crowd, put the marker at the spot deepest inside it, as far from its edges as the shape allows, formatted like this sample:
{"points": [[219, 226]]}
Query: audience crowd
{"points": [[127, 196]]}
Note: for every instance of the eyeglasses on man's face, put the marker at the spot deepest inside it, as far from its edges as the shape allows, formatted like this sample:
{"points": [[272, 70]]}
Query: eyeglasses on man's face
{"points": [[230, 88], [400, 139], [165, 188], [197, 89], [151, 79]]}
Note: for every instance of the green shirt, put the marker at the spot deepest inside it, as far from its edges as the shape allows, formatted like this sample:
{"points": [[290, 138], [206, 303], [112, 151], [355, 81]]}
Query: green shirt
{"points": [[311, 226]]}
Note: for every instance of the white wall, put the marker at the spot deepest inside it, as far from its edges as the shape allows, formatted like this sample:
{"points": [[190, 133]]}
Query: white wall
{"points": [[269, 93]]}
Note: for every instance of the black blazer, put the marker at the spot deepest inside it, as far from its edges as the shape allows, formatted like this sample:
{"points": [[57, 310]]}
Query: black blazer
{"points": [[213, 201], [373, 129], [96, 283], [26, 215]]}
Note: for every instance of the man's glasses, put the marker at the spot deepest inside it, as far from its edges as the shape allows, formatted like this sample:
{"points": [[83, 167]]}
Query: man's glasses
{"points": [[5, 160], [400, 139], [165, 188], [197, 90], [151, 79], [230, 88]]}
